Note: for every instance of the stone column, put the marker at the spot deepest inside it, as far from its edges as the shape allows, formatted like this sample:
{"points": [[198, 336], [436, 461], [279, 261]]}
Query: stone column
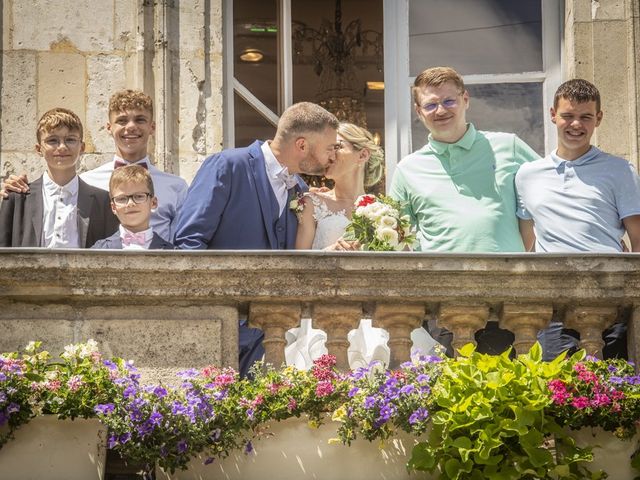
{"points": [[525, 321], [590, 323], [463, 320], [337, 319], [399, 319], [274, 319]]}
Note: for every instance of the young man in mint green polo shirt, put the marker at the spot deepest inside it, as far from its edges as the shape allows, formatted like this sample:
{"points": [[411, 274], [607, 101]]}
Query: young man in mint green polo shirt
{"points": [[459, 188], [579, 199]]}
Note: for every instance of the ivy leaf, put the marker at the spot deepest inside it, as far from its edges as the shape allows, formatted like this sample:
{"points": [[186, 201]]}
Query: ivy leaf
{"points": [[467, 350], [422, 458]]}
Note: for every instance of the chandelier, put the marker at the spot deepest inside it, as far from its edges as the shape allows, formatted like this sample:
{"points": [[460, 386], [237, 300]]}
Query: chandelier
{"points": [[335, 52]]}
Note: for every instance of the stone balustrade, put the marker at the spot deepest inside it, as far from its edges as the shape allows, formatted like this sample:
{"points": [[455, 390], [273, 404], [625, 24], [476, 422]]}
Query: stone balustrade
{"points": [[172, 310]]}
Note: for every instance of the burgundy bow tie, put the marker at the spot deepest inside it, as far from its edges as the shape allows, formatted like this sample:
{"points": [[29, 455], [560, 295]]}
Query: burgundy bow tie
{"points": [[130, 238], [122, 163]]}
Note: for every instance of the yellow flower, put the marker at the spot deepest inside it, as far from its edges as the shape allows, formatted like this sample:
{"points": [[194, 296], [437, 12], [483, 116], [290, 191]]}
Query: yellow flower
{"points": [[340, 414]]}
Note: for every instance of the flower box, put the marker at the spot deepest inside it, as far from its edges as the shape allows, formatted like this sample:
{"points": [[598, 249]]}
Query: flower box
{"points": [[291, 449], [610, 453], [50, 448]]}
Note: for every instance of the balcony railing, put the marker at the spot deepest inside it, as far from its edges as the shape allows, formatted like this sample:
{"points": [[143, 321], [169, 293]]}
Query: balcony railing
{"points": [[173, 310]]}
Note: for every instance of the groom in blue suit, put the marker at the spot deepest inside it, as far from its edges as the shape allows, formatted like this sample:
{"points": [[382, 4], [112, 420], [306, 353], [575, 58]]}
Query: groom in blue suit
{"points": [[239, 199]]}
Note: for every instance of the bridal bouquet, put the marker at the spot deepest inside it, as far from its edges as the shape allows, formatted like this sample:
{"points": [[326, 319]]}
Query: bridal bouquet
{"points": [[378, 226]]}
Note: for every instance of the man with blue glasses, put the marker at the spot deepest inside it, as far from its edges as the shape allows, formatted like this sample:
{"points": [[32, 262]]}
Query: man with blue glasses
{"points": [[459, 187]]}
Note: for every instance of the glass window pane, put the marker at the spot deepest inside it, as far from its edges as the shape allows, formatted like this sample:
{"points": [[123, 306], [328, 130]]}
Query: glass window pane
{"points": [[255, 45], [476, 36], [249, 124], [501, 107]]}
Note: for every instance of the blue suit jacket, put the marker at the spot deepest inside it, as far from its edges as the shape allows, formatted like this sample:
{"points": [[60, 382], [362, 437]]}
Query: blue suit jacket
{"points": [[229, 205]]}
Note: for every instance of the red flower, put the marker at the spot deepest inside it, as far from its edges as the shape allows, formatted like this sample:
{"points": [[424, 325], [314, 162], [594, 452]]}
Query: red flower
{"points": [[366, 200], [324, 388], [325, 361]]}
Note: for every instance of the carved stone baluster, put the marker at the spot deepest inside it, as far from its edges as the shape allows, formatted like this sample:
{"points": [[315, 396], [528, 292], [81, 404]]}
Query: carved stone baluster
{"points": [[399, 319], [274, 319], [590, 322], [337, 320], [463, 321], [525, 321]]}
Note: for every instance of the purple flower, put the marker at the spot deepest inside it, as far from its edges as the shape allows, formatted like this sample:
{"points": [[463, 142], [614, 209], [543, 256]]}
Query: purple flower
{"points": [[125, 437], [208, 461], [612, 368], [3, 418], [13, 408], [218, 396], [386, 411], [178, 409], [407, 389], [188, 374], [104, 409], [156, 418], [616, 380], [250, 413], [248, 448], [112, 441], [3, 397], [109, 364], [353, 392], [129, 392], [423, 378], [3, 377], [145, 429], [419, 415], [369, 402], [182, 446], [215, 435], [160, 391]]}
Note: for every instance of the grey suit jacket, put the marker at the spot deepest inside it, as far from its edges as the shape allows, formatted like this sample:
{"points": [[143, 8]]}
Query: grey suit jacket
{"points": [[114, 242], [21, 216]]}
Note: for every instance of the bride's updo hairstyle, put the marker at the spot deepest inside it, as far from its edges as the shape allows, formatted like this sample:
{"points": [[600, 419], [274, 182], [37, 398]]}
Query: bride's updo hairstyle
{"points": [[360, 139]]}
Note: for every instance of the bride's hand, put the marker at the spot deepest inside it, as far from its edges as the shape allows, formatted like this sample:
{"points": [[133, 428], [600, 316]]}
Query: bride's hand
{"points": [[344, 246]]}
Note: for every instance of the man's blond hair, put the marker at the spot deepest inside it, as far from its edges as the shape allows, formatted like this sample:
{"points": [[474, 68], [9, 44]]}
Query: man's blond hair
{"points": [[436, 77], [124, 100], [56, 118], [130, 174], [303, 118]]}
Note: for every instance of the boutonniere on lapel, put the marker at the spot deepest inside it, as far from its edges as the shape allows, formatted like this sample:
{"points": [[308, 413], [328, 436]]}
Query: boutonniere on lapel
{"points": [[296, 204]]}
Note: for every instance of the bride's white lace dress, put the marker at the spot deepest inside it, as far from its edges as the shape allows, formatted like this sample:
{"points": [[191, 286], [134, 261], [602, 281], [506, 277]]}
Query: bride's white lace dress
{"points": [[367, 343]]}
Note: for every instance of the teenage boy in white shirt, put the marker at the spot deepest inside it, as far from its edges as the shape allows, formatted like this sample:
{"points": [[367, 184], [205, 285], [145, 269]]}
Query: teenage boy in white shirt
{"points": [[58, 210]]}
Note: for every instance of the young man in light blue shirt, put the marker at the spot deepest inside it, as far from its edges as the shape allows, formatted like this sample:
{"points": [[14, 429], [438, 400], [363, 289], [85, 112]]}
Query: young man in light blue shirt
{"points": [[578, 198]]}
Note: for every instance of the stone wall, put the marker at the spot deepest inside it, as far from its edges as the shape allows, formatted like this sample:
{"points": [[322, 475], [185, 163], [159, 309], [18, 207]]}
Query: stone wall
{"points": [[76, 54], [602, 45]]}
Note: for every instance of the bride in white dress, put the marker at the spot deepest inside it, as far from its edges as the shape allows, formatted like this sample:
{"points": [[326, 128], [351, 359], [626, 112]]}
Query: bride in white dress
{"points": [[359, 164]]}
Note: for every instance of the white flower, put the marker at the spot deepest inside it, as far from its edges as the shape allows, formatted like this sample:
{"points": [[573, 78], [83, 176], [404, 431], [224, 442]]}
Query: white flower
{"points": [[88, 348], [387, 221], [70, 351], [388, 235]]}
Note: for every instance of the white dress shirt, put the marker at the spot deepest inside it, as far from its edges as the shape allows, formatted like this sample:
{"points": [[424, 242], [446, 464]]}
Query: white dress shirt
{"points": [[170, 190], [148, 236], [275, 172], [60, 214]]}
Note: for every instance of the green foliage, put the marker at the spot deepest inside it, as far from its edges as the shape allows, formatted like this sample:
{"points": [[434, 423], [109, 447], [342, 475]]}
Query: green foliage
{"points": [[490, 421]]}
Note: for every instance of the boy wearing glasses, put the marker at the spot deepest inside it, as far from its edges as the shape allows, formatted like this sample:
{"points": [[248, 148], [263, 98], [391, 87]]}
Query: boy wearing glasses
{"points": [[59, 210], [132, 200]]}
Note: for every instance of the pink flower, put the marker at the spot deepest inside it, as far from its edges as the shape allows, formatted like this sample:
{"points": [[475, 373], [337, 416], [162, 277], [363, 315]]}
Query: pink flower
{"points": [[52, 385], [75, 382], [322, 374], [210, 371], [224, 379], [324, 388], [292, 405], [580, 402], [325, 361], [257, 401], [274, 388], [600, 400]]}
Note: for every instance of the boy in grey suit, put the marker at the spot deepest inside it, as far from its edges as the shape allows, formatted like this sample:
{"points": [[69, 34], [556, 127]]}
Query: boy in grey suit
{"points": [[59, 210]]}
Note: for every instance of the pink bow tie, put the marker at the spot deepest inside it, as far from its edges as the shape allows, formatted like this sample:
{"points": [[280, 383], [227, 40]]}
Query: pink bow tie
{"points": [[122, 163], [133, 239]]}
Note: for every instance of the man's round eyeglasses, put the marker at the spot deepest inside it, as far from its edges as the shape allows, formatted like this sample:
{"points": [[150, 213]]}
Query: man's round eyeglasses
{"points": [[447, 103], [138, 198]]}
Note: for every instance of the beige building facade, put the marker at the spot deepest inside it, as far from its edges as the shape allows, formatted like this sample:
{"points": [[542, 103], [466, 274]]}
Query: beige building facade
{"points": [[75, 54]]}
